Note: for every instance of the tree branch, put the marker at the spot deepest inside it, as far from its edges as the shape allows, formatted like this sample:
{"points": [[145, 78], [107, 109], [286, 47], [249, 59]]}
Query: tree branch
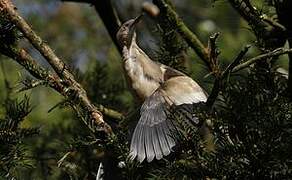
{"points": [[108, 16], [248, 12], [25, 60], [172, 44], [264, 27], [236, 61], [276, 52], [213, 53], [192, 39], [217, 87], [73, 90]]}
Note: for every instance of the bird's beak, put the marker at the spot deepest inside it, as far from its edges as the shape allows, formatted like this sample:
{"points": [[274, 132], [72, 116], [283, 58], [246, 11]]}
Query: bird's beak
{"points": [[137, 20]]}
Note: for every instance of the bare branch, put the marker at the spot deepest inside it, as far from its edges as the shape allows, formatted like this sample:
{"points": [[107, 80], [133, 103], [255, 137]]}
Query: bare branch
{"points": [[214, 93], [25, 60], [276, 52], [217, 87], [110, 112], [236, 61], [57, 64], [72, 90], [213, 53]]}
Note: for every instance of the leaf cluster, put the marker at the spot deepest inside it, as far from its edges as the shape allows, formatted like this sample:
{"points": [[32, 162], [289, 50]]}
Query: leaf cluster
{"points": [[12, 135], [252, 128]]}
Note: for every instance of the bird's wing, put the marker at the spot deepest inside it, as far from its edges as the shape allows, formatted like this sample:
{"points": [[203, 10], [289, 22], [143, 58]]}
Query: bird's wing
{"points": [[151, 138], [183, 90], [152, 135]]}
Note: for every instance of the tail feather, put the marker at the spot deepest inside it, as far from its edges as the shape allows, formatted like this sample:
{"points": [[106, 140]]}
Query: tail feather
{"points": [[153, 131], [155, 143], [152, 136]]}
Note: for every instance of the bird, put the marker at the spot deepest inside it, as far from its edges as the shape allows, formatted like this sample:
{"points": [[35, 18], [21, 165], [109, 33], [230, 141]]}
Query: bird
{"points": [[158, 87]]}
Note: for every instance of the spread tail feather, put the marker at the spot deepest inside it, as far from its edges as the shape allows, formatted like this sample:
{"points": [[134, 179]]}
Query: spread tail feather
{"points": [[152, 138]]}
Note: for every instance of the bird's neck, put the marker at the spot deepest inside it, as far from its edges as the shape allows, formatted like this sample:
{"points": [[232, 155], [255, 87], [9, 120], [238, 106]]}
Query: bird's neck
{"points": [[143, 74]]}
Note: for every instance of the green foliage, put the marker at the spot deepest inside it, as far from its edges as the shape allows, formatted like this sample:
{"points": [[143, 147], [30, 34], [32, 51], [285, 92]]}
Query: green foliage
{"points": [[258, 115], [8, 32], [251, 123], [13, 152], [172, 47], [8, 35], [252, 127], [102, 90]]}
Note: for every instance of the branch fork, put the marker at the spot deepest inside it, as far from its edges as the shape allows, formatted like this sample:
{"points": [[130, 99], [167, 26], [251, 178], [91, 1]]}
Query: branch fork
{"points": [[63, 79]]}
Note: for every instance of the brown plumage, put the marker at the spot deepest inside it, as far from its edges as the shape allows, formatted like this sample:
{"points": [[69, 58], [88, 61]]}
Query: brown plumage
{"points": [[159, 87]]}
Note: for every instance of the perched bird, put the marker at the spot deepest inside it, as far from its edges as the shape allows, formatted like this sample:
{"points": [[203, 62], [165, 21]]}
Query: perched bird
{"points": [[158, 87]]}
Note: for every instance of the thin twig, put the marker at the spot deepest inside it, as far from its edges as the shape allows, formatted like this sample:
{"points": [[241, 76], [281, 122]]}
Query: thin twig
{"points": [[236, 61], [213, 55], [276, 52], [30, 84], [214, 93], [110, 112], [220, 77], [214, 68]]}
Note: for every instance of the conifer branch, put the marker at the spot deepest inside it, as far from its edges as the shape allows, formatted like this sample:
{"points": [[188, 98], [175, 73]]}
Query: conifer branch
{"points": [[264, 27], [110, 112], [73, 90], [192, 39], [25, 60]]}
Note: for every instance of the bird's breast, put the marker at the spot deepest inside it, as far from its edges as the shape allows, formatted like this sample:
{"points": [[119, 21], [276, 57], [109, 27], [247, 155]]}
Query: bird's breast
{"points": [[143, 85]]}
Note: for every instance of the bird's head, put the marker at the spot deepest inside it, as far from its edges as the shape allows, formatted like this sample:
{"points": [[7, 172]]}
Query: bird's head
{"points": [[126, 33]]}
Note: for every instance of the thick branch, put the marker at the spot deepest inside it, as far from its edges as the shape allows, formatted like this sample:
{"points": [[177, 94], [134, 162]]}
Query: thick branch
{"points": [[74, 92], [25, 60], [108, 16], [46, 77], [57, 64]]}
